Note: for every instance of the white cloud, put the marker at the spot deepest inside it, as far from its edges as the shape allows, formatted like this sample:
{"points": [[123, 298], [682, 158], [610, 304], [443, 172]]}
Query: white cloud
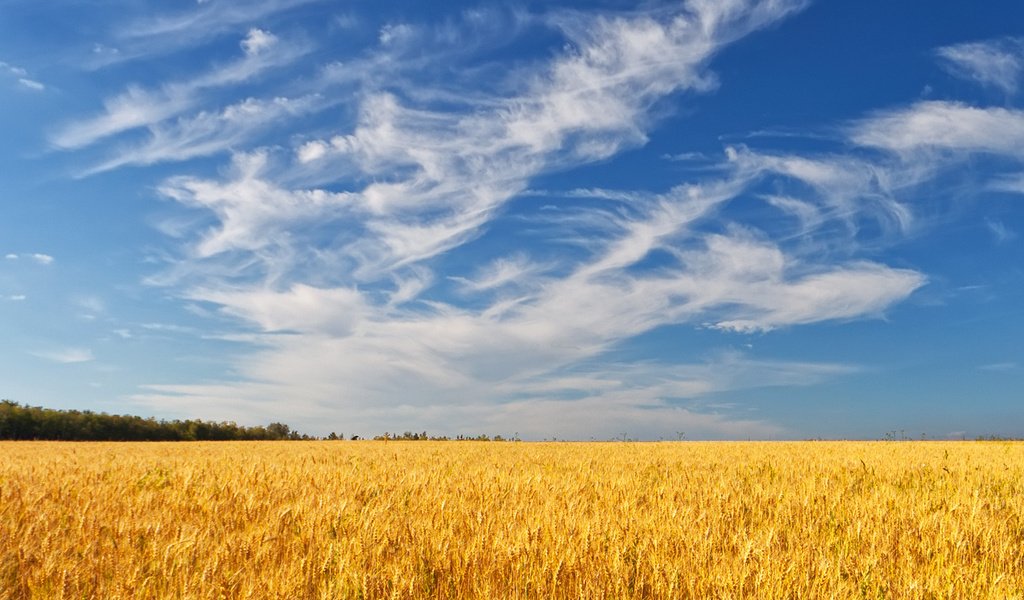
{"points": [[133, 108], [301, 309], [21, 76], [994, 63], [17, 297], [647, 400], [258, 41], [808, 214], [351, 353], [840, 187], [395, 33], [66, 355], [169, 328], [12, 69], [31, 84], [208, 133], [937, 125], [325, 280], [584, 106], [101, 50], [846, 292], [514, 270], [254, 215], [137, 107], [311, 151], [42, 259], [211, 18], [165, 33]]}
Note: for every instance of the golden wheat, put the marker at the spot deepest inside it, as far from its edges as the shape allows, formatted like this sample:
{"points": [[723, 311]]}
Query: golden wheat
{"points": [[511, 520]]}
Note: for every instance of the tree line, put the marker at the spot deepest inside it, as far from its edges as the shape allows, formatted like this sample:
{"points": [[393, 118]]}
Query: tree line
{"points": [[23, 422], [409, 436]]}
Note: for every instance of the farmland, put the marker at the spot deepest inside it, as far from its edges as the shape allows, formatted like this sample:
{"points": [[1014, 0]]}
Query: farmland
{"points": [[511, 520]]}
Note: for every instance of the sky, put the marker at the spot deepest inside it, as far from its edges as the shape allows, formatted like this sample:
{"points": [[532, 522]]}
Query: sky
{"points": [[710, 219]]}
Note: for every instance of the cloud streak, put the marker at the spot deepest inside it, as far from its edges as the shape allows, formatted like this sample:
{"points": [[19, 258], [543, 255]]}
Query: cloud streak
{"points": [[138, 107], [36, 257], [156, 35], [944, 126], [21, 76], [208, 133], [66, 355], [994, 63]]}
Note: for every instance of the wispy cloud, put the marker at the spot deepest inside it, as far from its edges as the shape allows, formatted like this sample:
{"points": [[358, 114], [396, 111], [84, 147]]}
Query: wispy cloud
{"points": [[133, 108], [503, 272], [66, 355], [515, 345], [31, 84], [584, 106], [686, 157], [90, 306], [648, 400], [341, 318], [525, 350], [944, 126], [137, 107], [392, 270], [258, 41], [1000, 231], [207, 18], [994, 63], [1013, 183], [36, 257], [208, 133], [166, 33], [843, 187], [254, 214], [21, 77]]}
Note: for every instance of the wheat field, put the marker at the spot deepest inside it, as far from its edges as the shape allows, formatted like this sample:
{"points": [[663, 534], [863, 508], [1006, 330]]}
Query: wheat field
{"points": [[511, 520]]}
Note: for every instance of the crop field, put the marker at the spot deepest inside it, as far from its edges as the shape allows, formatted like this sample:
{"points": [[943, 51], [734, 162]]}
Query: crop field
{"points": [[511, 520]]}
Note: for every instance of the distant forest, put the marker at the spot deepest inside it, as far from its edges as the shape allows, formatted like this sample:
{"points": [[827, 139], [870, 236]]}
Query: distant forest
{"points": [[18, 422], [23, 422]]}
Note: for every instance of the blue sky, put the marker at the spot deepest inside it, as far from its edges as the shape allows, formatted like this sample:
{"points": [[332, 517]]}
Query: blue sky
{"points": [[736, 219]]}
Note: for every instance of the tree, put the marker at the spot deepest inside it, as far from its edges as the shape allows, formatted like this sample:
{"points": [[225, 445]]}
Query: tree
{"points": [[278, 431]]}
